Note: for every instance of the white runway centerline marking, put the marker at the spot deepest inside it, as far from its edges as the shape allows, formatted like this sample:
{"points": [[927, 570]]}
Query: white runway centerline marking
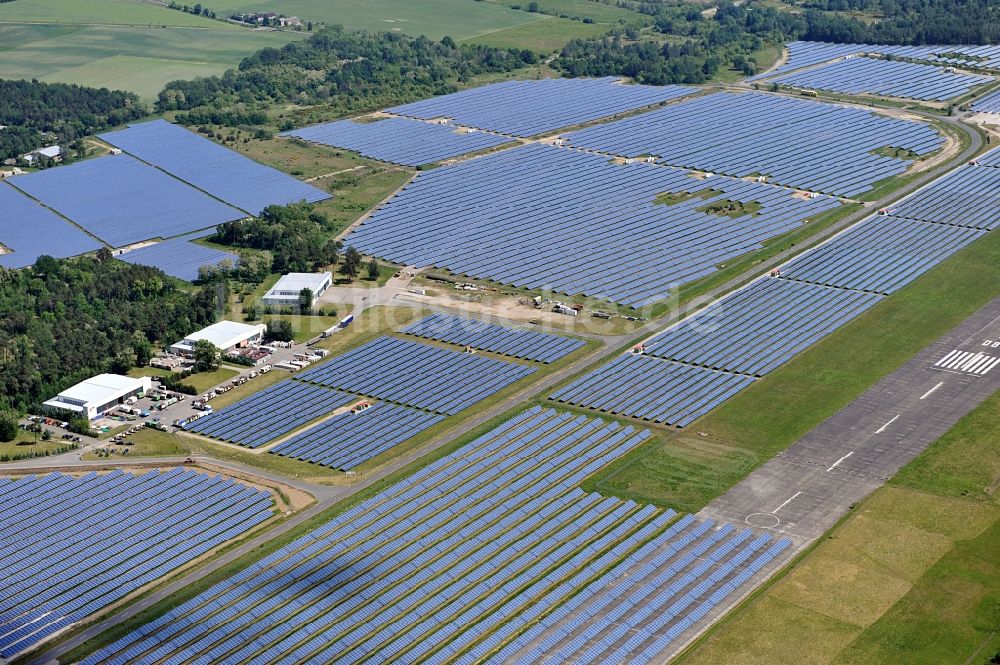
{"points": [[931, 391], [787, 501], [837, 463], [882, 428]]}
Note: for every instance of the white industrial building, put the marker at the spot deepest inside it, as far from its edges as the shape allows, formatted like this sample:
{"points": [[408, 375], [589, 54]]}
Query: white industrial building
{"points": [[227, 335], [285, 293], [95, 396]]}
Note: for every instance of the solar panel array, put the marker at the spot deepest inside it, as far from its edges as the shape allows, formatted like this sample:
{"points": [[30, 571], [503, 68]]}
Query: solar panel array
{"points": [[754, 330], [882, 254], [270, 413], [792, 141], [885, 77], [651, 389], [507, 341], [991, 158], [807, 54], [988, 104], [758, 328], [528, 108], [221, 172], [29, 230], [634, 612], [568, 221], [400, 140], [460, 558], [349, 439], [122, 201], [179, 257], [968, 196], [74, 545], [427, 377]]}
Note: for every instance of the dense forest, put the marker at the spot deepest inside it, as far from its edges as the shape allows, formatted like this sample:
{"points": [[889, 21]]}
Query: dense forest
{"points": [[698, 46], [346, 71], [64, 321], [297, 237], [916, 22], [38, 114]]}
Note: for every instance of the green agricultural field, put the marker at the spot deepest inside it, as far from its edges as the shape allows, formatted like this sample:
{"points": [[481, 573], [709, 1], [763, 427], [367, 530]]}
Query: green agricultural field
{"points": [[547, 34], [910, 577], [100, 12], [463, 20], [435, 18], [137, 58], [581, 9]]}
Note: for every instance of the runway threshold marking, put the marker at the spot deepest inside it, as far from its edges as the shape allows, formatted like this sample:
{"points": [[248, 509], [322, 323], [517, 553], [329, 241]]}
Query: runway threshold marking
{"points": [[837, 463], [883, 427], [968, 361], [786, 502], [931, 391]]}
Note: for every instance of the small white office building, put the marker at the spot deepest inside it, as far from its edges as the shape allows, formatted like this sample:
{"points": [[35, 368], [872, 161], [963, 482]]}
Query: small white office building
{"points": [[285, 293], [96, 396]]}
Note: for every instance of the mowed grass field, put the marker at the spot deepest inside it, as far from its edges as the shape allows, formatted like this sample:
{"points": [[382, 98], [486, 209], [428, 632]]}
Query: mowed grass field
{"points": [[123, 44], [912, 576], [463, 20]]}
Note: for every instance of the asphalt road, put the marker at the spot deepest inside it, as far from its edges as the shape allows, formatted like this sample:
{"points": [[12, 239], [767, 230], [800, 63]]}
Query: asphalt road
{"points": [[613, 345]]}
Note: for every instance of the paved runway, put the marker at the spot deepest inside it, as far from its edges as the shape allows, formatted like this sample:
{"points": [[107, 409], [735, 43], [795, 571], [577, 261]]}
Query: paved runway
{"points": [[801, 493]]}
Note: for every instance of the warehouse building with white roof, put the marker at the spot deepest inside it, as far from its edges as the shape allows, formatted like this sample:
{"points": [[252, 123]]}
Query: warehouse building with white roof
{"points": [[96, 396], [226, 335], [285, 293]]}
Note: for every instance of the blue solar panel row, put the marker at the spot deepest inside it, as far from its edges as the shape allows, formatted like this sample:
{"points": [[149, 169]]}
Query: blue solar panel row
{"points": [[569, 221], [882, 254], [968, 196], [70, 546], [652, 389], [270, 413], [349, 439], [528, 108], [758, 328], [991, 158], [29, 230], [179, 257], [666, 578], [886, 77], [807, 54], [525, 344], [792, 141], [400, 140], [469, 550], [122, 201], [988, 104], [221, 172], [415, 374]]}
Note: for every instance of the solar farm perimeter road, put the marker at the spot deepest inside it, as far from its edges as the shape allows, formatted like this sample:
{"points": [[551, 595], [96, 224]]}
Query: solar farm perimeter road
{"points": [[612, 346]]}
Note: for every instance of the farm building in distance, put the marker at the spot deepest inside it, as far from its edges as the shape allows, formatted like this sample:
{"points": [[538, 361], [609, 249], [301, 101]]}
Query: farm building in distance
{"points": [[285, 293], [227, 335], [52, 152], [97, 395]]}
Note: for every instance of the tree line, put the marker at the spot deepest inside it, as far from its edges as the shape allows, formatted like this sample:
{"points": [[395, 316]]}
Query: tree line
{"points": [[38, 114], [347, 71], [694, 45]]}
